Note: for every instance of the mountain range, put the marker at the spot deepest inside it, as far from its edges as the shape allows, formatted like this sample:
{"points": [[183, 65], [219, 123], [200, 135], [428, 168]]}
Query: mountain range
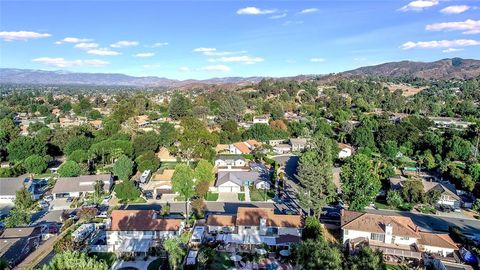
{"points": [[442, 69]]}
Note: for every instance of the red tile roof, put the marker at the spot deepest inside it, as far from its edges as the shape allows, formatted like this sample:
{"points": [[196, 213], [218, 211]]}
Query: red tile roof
{"points": [[141, 220]]}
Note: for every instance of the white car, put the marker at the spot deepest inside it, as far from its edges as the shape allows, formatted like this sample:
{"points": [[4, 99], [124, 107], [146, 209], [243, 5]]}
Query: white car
{"points": [[48, 198]]}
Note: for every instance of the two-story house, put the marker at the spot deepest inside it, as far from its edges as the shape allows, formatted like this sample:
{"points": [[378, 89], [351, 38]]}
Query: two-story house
{"points": [[256, 226], [395, 236], [242, 148], [136, 231]]}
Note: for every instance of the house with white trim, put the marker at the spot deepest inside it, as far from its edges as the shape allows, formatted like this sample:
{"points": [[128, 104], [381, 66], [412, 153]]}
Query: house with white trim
{"points": [[255, 226], [80, 185], [230, 162], [232, 181], [137, 231]]}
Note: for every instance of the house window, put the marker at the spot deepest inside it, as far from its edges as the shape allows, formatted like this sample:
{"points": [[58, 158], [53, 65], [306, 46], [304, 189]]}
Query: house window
{"points": [[272, 231], [247, 227], [377, 237], [345, 232], [404, 238]]}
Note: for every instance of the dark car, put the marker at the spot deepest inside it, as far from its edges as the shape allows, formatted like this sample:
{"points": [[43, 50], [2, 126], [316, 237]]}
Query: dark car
{"points": [[148, 195]]}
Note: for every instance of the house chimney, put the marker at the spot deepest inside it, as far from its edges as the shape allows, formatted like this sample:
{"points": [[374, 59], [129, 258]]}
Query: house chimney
{"points": [[388, 233]]}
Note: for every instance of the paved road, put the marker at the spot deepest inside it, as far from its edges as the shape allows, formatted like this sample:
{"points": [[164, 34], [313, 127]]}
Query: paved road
{"points": [[212, 207], [435, 223]]}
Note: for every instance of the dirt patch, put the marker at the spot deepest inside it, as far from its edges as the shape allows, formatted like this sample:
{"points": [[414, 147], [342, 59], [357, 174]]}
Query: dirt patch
{"points": [[407, 90]]}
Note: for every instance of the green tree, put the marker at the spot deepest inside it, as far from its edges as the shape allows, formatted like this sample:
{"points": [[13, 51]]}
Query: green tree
{"points": [[366, 259], [180, 106], [77, 143], [204, 171], [363, 137], [175, 250], [18, 217], [315, 175], [147, 161], [412, 191], [127, 191], [360, 182], [35, 164], [231, 107], [312, 229], [145, 142], [75, 260], [79, 156], [69, 169], [394, 198], [318, 254], [123, 168], [23, 199], [182, 182], [23, 147]]}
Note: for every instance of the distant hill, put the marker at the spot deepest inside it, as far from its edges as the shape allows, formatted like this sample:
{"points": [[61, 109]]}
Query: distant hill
{"points": [[442, 69]]}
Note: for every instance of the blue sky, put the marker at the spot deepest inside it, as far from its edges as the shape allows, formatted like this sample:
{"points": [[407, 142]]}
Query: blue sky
{"points": [[204, 39]]}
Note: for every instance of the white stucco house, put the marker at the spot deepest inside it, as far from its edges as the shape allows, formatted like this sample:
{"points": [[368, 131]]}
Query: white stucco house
{"points": [[242, 148], [230, 162], [232, 181], [136, 231], [256, 226], [395, 236]]}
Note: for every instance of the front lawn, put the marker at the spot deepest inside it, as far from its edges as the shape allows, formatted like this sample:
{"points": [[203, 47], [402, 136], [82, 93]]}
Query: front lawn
{"points": [[261, 195], [384, 205], [211, 196], [108, 257], [241, 197], [221, 262]]}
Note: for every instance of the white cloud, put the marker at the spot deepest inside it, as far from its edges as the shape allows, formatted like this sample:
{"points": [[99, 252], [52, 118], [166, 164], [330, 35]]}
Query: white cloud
{"points": [[309, 10], [288, 23], [279, 16], [419, 5], [73, 40], [158, 44], [103, 52], [455, 9], [124, 43], [62, 63], [450, 50], [468, 26], [440, 44], [245, 59], [254, 11], [220, 68], [22, 35], [86, 46], [184, 69], [317, 60], [144, 54], [360, 59], [202, 50]]}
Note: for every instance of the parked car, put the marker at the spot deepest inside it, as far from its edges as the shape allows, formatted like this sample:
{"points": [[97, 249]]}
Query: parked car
{"points": [[48, 198], [69, 199], [43, 204], [148, 195], [102, 214]]}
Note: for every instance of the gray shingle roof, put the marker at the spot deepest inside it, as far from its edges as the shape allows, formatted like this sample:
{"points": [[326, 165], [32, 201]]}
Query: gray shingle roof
{"points": [[81, 183], [8, 186], [240, 177]]}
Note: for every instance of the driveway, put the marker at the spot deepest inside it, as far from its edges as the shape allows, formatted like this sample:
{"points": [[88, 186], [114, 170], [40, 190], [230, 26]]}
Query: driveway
{"points": [[139, 263], [228, 197], [60, 204]]}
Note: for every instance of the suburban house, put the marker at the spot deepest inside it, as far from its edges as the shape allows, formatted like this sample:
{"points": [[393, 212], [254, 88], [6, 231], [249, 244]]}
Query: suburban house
{"points": [[449, 122], [17, 243], [345, 150], [242, 148], [261, 120], [136, 231], [232, 181], [10, 185], [448, 195], [256, 226], [160, 183], [298, 144], [230, 162], [80, 185], [282, 148], [396, 236]]}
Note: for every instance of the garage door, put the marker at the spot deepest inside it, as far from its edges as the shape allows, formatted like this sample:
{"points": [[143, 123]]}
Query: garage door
{"points": [[228, 189]]}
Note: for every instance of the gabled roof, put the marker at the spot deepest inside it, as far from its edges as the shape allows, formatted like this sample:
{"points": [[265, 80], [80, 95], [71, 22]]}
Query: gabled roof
{"points": [[248, 216], [240, 177], [229, 157], [221, 220], [367, 222], [242, 147], [80, 183], [142, 220], [437, 240]]}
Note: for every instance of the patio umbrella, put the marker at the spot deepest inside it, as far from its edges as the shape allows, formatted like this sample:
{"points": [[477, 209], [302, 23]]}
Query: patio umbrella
{"points": [[285, 252], [261, 251], [235, 258]]}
